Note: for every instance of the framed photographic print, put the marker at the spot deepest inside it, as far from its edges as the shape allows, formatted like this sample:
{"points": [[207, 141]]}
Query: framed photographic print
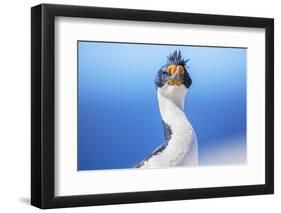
{"points": [[140, 106]]}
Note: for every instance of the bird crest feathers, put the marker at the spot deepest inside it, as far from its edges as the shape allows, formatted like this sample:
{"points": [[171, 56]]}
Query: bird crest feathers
{"points": [[176, 58]]}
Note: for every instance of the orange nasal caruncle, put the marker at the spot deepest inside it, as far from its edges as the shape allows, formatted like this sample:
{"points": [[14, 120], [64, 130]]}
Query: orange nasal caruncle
{"points": [[171, 69]]}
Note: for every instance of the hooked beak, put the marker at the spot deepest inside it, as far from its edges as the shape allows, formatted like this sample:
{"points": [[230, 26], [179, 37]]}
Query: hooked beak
{"points": [[175, 79]]}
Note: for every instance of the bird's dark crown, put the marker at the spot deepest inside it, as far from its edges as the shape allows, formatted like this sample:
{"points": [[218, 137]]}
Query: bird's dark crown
{"points": [[176, 58]]}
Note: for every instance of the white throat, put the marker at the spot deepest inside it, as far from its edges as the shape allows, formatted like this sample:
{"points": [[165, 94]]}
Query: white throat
{"points": [[173, 94]]}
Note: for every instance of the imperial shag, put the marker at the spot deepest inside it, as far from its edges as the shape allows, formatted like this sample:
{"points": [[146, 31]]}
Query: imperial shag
{"points": [[180, 145]]}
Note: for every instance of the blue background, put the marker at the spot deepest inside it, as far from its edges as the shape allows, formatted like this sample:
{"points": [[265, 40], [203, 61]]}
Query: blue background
{"points": [[119, 123]]}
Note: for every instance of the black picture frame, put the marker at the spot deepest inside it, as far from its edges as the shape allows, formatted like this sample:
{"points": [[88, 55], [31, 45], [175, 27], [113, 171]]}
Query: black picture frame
{"points": [[43, 111]]}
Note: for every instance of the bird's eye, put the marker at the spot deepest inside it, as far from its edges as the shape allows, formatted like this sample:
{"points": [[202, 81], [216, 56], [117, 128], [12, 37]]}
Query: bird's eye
{"points": [[181, 69], [171, 69]]}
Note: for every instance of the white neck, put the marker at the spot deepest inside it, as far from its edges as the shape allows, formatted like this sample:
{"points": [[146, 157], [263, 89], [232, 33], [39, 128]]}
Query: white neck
{"points": [[171, 95], [171, 105]]}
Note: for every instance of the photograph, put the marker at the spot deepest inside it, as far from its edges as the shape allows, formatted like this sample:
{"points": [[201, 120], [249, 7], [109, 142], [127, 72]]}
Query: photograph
{"points": [[145, 105], [138, 105]]}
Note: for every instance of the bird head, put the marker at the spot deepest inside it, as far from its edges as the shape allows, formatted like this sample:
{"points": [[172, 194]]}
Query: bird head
{"points": [[174, 72], [173, 80]]}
